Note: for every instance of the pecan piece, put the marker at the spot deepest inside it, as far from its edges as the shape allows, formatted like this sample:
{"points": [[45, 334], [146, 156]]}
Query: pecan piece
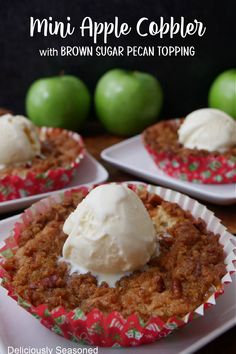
{"points": [[154, 200], [32, 286], [160, 285], [198, 270], [176, 288], [166, 241], [50, 282]]}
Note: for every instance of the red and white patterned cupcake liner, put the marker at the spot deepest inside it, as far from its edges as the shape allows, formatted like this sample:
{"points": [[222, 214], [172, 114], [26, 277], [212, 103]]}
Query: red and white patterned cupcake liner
{"points": [[112, 330], [18, 186], [209, 169]]}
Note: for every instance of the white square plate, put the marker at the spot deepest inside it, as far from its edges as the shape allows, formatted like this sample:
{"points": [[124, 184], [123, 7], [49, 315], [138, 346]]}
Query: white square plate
{"points": [[131, 156], [90, 171], [20, 329]]}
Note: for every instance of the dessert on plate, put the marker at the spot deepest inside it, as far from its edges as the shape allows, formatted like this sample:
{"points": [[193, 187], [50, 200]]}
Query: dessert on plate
{"points": [[116, 264], [200, 148], [34, 160]]}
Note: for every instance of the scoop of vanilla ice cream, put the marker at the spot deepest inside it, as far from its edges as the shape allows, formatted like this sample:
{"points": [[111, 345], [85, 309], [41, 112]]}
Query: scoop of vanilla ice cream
{"points": [[208, 129], [110, 232], [19, 141]]}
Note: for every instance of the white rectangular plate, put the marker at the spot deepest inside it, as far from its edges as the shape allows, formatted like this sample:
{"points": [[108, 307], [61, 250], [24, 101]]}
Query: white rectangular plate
{"points": [[90, 171], [131, 156], [19, 329]]}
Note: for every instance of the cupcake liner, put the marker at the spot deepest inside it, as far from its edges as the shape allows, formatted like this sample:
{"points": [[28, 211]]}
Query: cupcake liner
{"points": [[112, 330], [18, 186], [205, 169]]}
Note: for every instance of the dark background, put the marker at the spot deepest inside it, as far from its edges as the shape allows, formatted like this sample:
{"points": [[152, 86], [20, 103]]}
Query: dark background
{"points": [[185, 80]]}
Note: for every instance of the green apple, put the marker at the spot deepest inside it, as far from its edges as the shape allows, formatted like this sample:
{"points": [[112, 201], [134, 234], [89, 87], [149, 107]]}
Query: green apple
{"points": [[222, 94], [60, 101], [127, 101]]}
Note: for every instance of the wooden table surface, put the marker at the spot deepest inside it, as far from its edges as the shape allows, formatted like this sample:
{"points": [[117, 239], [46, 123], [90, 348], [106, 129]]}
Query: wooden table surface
{"points": [[95, 144]]}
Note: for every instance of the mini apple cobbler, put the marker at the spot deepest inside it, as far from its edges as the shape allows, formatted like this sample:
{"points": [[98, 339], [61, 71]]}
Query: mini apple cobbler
{"points": [[117, 249], [34, 160], [200, 148]]}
